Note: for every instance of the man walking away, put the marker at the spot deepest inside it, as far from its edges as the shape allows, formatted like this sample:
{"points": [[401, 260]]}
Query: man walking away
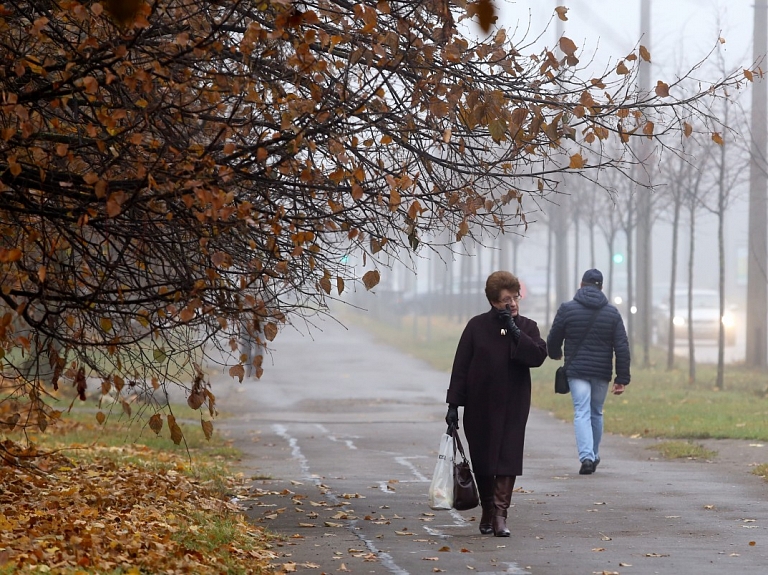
{"points": [[592, 328]]}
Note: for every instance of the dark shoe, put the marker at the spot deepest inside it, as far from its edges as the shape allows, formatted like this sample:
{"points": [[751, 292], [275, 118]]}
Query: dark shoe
{"points": [[500, 525], [486, 521], [594, 466], [587, 467]]}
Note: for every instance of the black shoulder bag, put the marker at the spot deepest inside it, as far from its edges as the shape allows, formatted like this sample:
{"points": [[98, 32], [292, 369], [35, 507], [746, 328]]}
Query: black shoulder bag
{"points": [[561, 379]]}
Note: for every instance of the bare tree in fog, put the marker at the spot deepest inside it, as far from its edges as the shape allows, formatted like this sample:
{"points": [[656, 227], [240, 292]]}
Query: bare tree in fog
{"points": [[679, 175], [726, 160]]}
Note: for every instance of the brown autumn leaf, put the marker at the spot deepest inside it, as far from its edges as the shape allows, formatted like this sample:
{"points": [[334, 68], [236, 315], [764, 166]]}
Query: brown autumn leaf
{"points": [[662, 89], [644, 53], [270, 331], [237, 371], [195, 400], [622, 69], [577, 162], [568, 46], [123, 11], [561, 12], [371, 279], [176, 435], [156, 423], [486, 14], [717, 138], [339, 284], [207, 426]]}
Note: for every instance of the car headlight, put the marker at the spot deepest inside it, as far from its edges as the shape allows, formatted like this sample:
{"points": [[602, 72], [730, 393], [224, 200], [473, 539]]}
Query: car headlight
{"points": [[728, 320], [678, 320]]}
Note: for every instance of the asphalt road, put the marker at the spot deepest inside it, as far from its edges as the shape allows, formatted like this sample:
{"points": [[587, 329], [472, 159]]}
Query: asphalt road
{"points": [[341, 435]]}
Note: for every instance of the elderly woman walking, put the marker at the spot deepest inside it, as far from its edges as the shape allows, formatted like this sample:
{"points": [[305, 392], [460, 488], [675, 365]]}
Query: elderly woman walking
{"points": [[491, 378]]}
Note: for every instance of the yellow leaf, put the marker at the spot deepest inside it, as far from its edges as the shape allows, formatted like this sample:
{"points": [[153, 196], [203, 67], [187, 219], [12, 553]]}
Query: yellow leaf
{"points": [[371, 278], [106, 324], [662, 89], [577, 162], [561, 12]]}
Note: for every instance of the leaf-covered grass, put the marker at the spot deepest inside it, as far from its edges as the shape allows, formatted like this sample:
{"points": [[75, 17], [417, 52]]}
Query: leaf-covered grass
{"points": [[683, 450], [658, 403], [130, 503]]}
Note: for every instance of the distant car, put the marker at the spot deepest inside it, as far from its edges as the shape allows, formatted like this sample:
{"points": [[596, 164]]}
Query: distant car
{"points": [[705, 317]]}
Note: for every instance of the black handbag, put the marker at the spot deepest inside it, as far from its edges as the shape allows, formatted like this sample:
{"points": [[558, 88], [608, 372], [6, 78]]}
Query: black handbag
{"points": [[561, 378], [561, 381], [465, 494]]}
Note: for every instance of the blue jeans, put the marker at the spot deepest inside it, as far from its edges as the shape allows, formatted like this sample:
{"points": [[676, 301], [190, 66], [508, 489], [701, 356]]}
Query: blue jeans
{"points": [[588, 397]]}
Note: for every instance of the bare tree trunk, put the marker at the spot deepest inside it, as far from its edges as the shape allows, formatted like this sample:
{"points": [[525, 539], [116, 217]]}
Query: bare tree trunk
{"points": [[757, 295], [630, 278], [610, 242], [547, 310], [691, 248], [672, 286], [576, 271], [721, 192]]}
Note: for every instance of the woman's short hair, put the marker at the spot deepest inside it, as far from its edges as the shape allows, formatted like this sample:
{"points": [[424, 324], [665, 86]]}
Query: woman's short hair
{"points": [[498, 281]]}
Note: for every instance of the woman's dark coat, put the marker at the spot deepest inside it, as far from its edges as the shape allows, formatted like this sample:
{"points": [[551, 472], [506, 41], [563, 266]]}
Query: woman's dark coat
{"points": [[491, 378]]}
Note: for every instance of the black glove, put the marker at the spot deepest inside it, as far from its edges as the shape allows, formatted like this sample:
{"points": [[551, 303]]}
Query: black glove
{"points": [[452, 417], [509, 323]]}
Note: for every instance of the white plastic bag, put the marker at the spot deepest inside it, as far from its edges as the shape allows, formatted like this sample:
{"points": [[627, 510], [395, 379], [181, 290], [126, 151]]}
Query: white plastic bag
{"points": [[441, 488]]}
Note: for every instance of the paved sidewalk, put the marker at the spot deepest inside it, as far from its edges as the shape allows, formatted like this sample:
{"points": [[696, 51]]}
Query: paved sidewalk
{"points": [[341, 435]]}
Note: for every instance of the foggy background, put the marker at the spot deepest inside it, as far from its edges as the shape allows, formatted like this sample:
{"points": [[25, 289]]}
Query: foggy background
{"points": [[682, 33]]}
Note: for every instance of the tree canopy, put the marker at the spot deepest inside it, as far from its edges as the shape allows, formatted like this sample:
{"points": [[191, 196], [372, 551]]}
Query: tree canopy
{"points": [[179, 171]]}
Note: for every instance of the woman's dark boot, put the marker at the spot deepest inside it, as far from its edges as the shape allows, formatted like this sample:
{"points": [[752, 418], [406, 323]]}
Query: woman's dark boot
{"points": [[485, 489], [502, 495]]}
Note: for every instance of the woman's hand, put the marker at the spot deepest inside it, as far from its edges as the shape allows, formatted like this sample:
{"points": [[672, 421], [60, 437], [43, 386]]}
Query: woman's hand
{"points": [[452, 417], [509, 322], [618, 388]]}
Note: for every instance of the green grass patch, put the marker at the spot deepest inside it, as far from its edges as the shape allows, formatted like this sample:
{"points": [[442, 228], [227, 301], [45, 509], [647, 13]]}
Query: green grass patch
{"points": [[658, 403], [761, 470], [683, 450]]}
